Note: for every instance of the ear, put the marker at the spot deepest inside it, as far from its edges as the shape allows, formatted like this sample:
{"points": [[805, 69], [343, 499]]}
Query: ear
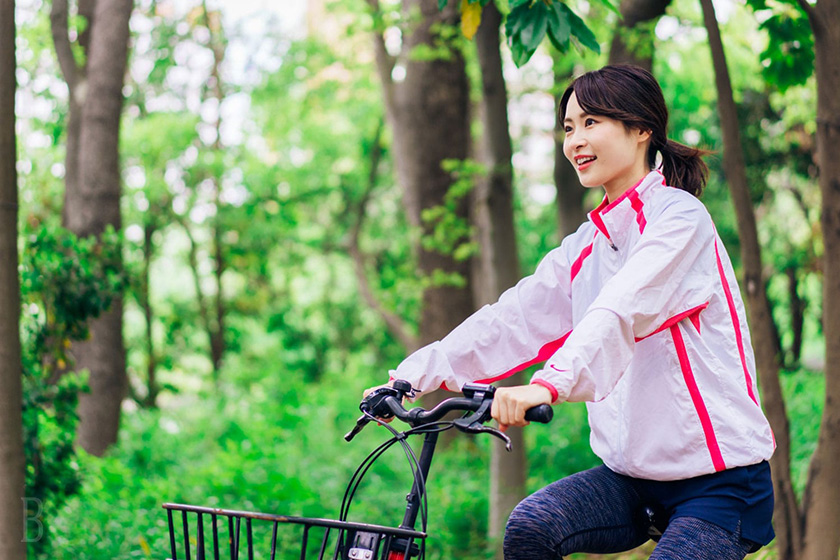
{"points": [[643, 135]]}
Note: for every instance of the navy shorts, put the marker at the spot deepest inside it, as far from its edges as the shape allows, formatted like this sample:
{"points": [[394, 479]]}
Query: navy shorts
{"points": [[738, 496]]}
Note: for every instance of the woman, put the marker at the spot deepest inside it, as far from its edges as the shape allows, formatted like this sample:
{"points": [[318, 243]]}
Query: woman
{"points": [[638, 313]]}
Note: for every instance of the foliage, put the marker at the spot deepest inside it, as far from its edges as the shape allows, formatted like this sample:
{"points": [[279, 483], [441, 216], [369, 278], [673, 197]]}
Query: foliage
{"points": [[529, 21], [789, 57], [65, 282], [446, 231]]}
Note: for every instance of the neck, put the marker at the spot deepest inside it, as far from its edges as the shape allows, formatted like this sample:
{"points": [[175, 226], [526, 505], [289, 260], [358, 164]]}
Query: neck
{"points": [[617, 188]]}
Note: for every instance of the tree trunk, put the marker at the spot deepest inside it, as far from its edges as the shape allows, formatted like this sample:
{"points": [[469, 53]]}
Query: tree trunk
{"points": [[632, 42], [152, 388], [76, 79], [786, 515], [570, 193], [12, 462], [822, 495], [216, 326], [428, 113], [92, 203], [201, 299], [432, 125], [497, 264], [797, 313]]}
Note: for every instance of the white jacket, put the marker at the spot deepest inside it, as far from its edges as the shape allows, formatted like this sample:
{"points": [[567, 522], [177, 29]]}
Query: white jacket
{"points": [[639, 314]]}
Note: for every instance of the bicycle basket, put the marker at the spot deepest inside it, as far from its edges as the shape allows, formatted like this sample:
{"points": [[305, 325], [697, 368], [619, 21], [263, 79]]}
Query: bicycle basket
{"points": [[270, 537]]}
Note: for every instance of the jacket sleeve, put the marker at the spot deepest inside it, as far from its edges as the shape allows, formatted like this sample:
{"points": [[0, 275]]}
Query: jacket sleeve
{"points": [[500, 339], [668, 273]]}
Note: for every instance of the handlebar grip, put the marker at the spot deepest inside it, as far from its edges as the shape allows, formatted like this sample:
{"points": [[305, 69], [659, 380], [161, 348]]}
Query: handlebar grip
{"points": [[541, 413]]}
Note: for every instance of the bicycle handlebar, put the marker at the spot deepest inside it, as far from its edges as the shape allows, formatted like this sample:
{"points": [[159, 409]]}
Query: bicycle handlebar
{"points": [[386, 402]]}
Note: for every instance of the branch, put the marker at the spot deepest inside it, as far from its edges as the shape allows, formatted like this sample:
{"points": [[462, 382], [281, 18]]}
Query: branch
{"points": [[61, 39], [384, 61], [203, 311], [394, 322]]}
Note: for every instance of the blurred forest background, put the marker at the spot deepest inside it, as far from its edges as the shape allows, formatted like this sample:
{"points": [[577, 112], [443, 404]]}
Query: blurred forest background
{"points": [[223, 220]]}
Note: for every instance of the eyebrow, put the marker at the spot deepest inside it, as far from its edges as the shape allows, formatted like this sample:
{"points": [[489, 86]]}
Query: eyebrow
{"points": [[582, 114]]}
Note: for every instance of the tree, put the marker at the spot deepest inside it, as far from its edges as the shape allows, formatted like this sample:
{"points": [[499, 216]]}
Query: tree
{"points": [[428, 114], [92, 195], [12, 545], [821, 502], [211, 307], [786, 513], [497, 262]]}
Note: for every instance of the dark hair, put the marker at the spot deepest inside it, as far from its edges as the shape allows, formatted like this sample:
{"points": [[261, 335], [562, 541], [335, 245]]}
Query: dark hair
{"points": [[632, 95]]}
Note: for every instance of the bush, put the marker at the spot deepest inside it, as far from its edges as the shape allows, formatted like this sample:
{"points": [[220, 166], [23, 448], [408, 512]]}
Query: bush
{"points": [[65, 282]]}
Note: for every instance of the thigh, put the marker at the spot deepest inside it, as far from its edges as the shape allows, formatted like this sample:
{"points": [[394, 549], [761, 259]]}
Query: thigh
{"points": [[591, 511], [689, 537]]}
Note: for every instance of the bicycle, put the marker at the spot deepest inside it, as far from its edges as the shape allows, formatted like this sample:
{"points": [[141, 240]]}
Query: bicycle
{"points": [[346, 540]]}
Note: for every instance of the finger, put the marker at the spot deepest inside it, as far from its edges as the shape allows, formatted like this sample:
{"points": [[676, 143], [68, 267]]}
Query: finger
{"points": [[506, 415], [520, 414]]}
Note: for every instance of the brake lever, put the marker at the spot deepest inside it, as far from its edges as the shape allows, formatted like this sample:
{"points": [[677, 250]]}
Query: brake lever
{"points": [[373, 405], [474, 424], [360, 424], [476, 428]]}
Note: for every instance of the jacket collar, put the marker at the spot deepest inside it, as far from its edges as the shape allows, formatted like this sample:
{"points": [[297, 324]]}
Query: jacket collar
{"points": [[614, 215]]}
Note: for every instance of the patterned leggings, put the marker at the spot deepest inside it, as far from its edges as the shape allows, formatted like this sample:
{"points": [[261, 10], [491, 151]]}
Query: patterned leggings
{"points": [[594, 511]]}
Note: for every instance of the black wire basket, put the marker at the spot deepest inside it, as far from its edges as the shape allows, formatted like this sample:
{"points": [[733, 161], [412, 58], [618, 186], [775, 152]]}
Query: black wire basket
{"points": [[207, 533]]}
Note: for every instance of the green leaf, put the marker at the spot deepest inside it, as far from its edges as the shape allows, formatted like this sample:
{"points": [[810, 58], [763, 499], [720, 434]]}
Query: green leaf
{"points": [[580, 30], [442, 4], [610, 6], [525, 28], [559, 29]]}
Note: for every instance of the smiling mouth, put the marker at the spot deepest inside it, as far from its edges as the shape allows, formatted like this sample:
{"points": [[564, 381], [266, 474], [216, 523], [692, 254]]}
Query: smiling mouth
{"points": [[584, 161]]}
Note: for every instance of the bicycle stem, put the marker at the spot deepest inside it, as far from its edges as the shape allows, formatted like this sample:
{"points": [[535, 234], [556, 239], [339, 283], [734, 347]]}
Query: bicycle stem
{"points": [[413, 499]]}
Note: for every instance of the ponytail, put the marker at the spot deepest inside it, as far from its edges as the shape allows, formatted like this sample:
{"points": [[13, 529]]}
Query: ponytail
{"points": [[682, 166]]}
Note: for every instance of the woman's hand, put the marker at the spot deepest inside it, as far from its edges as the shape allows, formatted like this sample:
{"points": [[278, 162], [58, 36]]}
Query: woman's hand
{"points": [[374, 388], [511, 403]]}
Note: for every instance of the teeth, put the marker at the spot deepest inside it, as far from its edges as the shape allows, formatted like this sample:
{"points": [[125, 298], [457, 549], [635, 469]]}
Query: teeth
{"points": [[582, 160]]}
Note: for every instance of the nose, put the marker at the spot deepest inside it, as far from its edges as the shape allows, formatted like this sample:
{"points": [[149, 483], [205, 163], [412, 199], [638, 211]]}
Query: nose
{"points": [[573, 143], [577, 140]]}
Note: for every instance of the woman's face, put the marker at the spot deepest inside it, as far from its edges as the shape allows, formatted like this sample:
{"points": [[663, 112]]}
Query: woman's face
{"points": [[603, 151]]}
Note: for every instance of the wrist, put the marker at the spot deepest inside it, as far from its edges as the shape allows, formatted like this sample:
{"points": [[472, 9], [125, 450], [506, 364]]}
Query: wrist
{"points": [[550, 390]]}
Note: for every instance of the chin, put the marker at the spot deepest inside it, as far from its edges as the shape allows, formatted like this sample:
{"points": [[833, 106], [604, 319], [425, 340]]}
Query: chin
{"points": [[589, 184]]}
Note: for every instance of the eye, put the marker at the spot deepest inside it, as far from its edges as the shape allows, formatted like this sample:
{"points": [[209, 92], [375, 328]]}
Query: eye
{"points": [[589, 121], [567, 129]]}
